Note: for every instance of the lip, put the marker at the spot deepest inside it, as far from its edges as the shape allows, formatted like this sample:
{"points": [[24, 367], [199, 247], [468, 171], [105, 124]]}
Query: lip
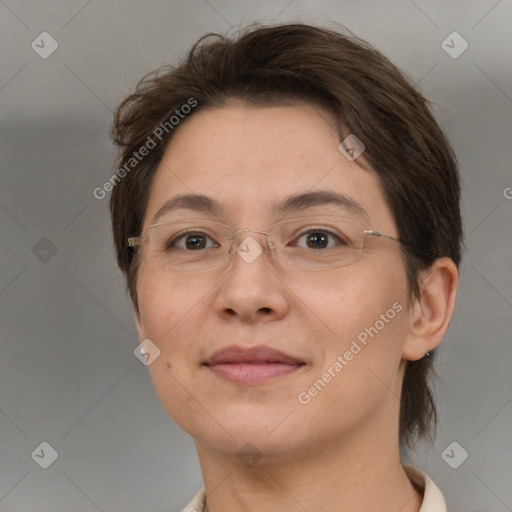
{"points": [[254, 365], [259, 354]]}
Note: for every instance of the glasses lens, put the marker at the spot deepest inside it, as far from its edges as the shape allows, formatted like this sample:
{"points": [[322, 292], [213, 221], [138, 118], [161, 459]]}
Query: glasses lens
{"points": [[187, 246], [308, 243], [317, 243]]}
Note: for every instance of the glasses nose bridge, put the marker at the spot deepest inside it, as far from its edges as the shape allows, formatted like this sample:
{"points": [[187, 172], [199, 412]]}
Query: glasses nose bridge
{"points": [[236, 236], [239, 236]]}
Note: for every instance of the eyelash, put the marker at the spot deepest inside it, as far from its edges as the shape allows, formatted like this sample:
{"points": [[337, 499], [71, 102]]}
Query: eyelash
{"points": [[322, 231], [181, 236]]}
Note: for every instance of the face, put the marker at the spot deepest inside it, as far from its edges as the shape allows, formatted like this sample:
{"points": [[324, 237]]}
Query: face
{"points": [[346, 325]]}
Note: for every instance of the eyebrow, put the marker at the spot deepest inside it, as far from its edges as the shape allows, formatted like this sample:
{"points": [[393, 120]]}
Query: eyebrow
{"points": [[292, 203]]}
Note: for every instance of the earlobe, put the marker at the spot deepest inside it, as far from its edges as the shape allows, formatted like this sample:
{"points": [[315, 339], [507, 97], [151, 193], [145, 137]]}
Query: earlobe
{"points": [[433, 310]]}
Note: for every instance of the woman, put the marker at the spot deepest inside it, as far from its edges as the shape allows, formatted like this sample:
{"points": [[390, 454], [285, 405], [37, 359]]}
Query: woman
{"points": [[286, 213]]}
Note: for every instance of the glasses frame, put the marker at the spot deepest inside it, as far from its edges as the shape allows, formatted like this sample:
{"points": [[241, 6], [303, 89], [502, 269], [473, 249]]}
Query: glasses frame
{"points": [[136, 241]]}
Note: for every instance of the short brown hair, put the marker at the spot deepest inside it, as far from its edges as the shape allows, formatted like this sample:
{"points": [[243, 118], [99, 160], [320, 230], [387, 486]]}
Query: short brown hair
{"points": [[369, 96]]}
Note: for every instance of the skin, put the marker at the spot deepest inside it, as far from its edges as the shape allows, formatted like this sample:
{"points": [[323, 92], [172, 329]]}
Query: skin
{"points": [[340, 451]]}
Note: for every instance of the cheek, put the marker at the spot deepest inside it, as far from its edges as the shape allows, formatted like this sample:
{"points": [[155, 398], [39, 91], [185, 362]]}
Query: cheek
{"points": [[369, 315], [165, 304], [357, 296], [365, 310], [170, 317]]}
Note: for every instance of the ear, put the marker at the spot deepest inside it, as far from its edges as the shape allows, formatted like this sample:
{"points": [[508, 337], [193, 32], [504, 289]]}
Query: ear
{"points": [[430, 315]]}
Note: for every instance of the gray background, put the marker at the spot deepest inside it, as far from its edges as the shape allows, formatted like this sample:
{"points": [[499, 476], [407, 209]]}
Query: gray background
{"points": [[68, 375]]}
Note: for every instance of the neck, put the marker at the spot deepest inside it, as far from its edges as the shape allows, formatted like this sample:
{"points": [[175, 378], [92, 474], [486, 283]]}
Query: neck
{"points": [[350, 475]]}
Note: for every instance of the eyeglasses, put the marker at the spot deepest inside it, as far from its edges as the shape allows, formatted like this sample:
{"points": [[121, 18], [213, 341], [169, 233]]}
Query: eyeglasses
{"points": [[182, 245]]}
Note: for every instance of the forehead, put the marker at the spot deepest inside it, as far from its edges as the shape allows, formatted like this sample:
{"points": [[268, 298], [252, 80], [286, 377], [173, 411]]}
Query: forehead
{"points": [[248, 159]]}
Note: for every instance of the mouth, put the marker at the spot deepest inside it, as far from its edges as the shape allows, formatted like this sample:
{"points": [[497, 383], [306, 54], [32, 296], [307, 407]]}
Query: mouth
{"points": [[251, 366]]}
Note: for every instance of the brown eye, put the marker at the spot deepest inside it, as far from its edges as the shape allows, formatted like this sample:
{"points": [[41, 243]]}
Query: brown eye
{"points": [[193, 241], [320, 239]]}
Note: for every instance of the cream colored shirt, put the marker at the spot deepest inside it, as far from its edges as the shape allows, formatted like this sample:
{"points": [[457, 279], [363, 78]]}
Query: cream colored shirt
{"points": [[433, 500]]}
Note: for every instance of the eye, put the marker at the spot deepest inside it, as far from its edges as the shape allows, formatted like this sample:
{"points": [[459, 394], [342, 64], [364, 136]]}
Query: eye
{"points": [[190, 241], [320, 239]]}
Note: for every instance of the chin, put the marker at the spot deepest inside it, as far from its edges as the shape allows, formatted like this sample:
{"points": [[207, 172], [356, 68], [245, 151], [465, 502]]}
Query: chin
{"points": [[267, 432]]}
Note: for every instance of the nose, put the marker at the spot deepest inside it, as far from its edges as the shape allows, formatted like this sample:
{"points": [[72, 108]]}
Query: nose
{"points": [[251, 289]]}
